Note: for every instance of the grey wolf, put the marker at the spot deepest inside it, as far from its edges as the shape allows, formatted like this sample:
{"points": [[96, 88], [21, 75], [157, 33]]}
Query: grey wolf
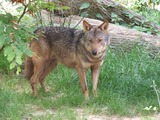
{"points": [[80, 49]]}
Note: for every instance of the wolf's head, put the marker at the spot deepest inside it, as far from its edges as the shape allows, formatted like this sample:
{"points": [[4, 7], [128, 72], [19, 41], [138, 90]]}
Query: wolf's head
{"points": [[96, 38]]}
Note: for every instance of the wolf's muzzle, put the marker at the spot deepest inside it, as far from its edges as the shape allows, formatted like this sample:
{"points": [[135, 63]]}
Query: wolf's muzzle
{"points": [[94, 52]]}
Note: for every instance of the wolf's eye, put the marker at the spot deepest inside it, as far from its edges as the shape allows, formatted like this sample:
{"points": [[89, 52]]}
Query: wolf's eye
{"points": [[99, 40]]}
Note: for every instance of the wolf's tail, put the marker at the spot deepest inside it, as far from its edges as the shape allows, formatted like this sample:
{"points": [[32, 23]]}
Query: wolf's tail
{"points": [[28, 68]]}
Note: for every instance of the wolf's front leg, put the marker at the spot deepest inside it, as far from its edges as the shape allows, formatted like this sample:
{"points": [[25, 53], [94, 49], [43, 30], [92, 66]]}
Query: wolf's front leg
{"points": [[83, 83], [95, 75]]}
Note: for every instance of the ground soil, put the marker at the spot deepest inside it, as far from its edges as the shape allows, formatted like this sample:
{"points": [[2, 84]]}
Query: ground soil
{"points": [[81, 115]]}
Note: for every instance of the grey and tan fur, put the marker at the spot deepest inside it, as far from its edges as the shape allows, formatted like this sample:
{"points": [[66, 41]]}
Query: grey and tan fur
{"points": [[79, 49]]}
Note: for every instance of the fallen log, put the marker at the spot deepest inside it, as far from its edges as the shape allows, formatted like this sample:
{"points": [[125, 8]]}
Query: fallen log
{"points": [[119, 34], [106, 8]]}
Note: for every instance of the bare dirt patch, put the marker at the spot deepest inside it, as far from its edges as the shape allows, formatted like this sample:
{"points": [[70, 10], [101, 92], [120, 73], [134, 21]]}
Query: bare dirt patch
{"points": [[82, 115]]}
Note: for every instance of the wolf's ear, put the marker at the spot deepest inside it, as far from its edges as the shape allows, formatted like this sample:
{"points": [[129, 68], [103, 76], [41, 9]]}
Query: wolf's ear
{"points": [[86, 26], [104, 26]]}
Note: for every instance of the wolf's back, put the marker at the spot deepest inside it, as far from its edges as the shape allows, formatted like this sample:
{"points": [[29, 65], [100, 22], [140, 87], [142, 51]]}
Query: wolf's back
{"points": [[59, 34]]}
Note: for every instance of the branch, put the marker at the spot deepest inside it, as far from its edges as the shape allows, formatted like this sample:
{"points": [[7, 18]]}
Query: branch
{"points": [[24, 11], [78, 22]]}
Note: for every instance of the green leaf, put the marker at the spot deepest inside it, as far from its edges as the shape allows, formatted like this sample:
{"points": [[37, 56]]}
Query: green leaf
{"points": [[8, 40], [18, 52], [99, 15], [84, 14], [113, 15], [17, 37], [7, 50], [2, 40], [84, 6], [10, 56], [9, 29], [6, 18], [1, 29], [65, 7], [28, 52], [12, 65], [131, 16], [20, 32], [18, 70], [18, 60]]}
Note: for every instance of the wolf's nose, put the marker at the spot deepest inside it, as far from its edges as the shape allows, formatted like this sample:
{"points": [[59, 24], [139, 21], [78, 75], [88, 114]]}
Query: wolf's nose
{"points": [[94, 52]]}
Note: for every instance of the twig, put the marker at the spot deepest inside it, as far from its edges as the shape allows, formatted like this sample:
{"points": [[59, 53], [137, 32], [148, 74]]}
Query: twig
{"points": [[64, 21], [79, 22], [24, 11]]}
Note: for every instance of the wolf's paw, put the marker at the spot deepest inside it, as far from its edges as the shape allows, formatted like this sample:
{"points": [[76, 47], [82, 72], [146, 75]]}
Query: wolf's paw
{"points": [[95, 93]]}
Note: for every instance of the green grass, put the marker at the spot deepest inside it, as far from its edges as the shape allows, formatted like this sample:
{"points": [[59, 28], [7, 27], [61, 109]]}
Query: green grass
{"points": [[124, 89]]}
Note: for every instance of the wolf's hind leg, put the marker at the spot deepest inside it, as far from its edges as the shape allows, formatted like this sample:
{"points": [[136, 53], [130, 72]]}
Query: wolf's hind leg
{"points": [[49, 68], [39, 69]]}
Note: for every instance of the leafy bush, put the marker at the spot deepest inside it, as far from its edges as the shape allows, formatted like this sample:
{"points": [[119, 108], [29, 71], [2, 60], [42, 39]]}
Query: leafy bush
{"points": [[17, 26], [14, 39]]}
